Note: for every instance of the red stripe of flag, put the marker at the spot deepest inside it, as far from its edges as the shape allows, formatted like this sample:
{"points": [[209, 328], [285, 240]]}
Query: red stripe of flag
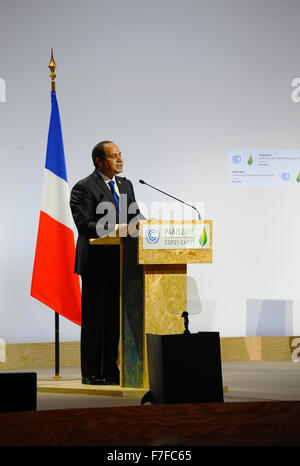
{"points": [[53, 281]]}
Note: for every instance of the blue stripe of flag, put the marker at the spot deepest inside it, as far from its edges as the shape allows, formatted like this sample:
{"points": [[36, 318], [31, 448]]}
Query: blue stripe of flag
{"points": [[55, 157]]}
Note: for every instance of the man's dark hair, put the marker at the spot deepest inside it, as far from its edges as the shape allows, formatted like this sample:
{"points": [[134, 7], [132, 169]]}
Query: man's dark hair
{"points": [[99, 151]]}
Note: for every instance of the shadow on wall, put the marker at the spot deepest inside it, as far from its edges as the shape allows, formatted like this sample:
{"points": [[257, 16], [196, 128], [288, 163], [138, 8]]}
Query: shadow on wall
{"points": [[269, 317], [201, 313]]}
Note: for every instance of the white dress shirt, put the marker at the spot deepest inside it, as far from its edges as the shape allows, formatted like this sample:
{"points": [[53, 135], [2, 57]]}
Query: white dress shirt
{"points": [[107, 180]]}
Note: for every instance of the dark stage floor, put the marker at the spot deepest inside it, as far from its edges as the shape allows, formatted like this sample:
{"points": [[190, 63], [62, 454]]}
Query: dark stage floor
{"points": [[246, 381]]}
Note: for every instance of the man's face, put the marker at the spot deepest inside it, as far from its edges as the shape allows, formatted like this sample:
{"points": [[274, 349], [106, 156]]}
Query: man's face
{"points": [[113, 163]]}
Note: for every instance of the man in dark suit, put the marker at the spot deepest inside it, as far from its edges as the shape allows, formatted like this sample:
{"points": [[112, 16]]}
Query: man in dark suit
{"points": [[99, 202]]}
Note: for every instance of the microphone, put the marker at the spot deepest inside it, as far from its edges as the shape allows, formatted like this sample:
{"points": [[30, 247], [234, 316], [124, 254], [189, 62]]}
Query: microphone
{"points": [[176, 199]]}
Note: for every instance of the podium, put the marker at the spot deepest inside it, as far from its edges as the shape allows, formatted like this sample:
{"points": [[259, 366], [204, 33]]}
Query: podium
{"points": [[153, 284]]}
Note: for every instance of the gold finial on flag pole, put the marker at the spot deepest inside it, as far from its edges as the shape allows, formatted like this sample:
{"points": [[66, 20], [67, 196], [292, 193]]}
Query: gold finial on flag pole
{"points": [[52, 66], [57, 376]]}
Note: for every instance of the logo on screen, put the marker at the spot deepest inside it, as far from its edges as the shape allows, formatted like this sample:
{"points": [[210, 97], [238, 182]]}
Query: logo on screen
{"points": [[236, 159], [152, 236], [285, 176]]}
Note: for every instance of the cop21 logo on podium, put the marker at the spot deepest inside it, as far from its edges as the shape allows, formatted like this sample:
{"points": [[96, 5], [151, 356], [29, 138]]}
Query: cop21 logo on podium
{"points": [[152, 236], [171, 236]]}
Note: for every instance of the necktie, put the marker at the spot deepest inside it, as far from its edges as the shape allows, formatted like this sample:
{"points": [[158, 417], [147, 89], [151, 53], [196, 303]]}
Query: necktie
{"points": [[112, 186]]}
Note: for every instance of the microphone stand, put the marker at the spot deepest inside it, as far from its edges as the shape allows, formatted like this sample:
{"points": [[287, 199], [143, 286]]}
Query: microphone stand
{"points": [[173, 197], [186, 323]]}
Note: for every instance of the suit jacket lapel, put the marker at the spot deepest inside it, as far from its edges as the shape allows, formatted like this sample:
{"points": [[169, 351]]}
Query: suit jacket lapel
{"points": [[121, 185], [103, 186], [105, 189]]}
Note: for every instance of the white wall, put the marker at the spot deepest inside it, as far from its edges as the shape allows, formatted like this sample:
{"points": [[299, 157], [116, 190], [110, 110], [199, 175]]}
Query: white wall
{"points": [[175, 83]]}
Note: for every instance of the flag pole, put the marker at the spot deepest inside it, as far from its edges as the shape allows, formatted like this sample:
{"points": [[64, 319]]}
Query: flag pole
{"points": [[52, 66], [57, 375]]}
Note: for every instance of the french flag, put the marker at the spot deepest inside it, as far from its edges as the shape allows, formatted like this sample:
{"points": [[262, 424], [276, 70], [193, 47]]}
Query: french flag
{"points": [[54, 282]]}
